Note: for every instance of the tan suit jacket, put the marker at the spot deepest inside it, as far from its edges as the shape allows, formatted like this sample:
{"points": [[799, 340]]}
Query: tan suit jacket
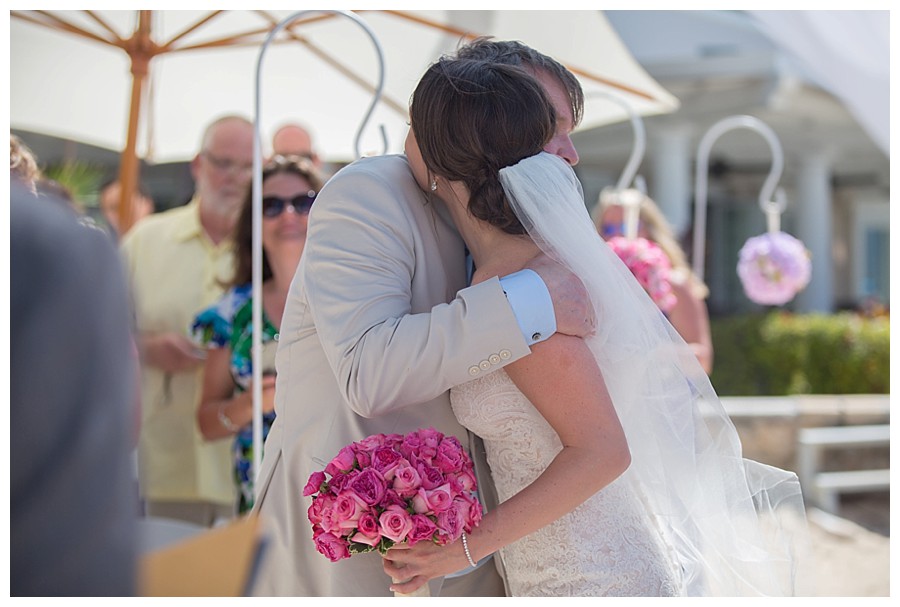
{"points": [[369, 344]]}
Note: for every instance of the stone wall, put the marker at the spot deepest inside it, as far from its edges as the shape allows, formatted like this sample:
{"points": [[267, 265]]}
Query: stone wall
{"points": [[768, 427]]}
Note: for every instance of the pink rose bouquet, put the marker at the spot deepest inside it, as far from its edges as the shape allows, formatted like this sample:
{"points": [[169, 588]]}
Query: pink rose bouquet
{"points": [[773, 268], [650, 266], [387, 489]]}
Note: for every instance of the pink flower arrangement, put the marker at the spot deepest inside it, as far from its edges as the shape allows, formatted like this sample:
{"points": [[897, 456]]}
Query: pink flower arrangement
{"points": [[773, 268], [650, 265], [387, 489]]}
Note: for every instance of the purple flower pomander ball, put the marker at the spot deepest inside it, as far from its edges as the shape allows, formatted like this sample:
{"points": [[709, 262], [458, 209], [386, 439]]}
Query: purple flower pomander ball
{"points": [[773, 268]]}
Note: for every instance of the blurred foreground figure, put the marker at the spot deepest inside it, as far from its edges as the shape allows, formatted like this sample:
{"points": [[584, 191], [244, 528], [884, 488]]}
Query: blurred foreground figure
{"points": [[72, 504]]}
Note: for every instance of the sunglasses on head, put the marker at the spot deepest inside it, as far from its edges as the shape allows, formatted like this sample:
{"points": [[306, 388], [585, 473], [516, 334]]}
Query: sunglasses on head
{"points": [[273, 206]]}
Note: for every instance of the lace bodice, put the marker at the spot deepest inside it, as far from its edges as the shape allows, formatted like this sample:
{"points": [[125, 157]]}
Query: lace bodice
{"points": [[608, 546]]}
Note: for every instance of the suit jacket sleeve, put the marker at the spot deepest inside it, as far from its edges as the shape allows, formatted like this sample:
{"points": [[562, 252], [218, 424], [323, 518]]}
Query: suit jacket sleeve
{"points": [[361, 269]]}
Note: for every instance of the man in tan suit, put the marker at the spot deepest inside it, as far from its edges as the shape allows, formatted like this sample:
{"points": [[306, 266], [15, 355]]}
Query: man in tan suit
{"points": [[369, 344]]}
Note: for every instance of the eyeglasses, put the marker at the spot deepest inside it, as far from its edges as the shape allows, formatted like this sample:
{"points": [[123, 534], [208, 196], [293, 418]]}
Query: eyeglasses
{"points": [[608, 230], [273, 206], [226, 165]]}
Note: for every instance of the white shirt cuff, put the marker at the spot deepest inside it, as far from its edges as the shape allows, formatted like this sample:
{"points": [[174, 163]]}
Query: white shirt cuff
{"points": [[531, 303]]}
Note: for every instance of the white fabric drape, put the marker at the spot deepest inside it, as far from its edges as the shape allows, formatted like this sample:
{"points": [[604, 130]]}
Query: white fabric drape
{"points": [[847, 53]]}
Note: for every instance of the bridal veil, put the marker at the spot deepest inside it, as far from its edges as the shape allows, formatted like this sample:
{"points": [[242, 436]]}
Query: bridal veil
{"points": [[736, 527]]}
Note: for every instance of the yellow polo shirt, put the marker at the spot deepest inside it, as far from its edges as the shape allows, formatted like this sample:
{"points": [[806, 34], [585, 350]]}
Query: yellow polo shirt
{"points": [[175, 271]]}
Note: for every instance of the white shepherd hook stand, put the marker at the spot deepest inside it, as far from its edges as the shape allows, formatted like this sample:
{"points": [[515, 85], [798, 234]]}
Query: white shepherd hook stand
{"points": [[257, 216], [771, 206]]}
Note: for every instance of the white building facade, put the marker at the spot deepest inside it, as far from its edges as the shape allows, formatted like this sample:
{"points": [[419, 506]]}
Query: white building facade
{"points": [[835, 141]]}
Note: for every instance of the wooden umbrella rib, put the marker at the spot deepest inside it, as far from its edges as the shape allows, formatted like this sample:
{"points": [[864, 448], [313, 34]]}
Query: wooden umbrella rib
{"points": [[106, 26], [471, 36], [346, 71], [296, 22], [328, 59], [243, 40], [171, 42], [55, 23]]}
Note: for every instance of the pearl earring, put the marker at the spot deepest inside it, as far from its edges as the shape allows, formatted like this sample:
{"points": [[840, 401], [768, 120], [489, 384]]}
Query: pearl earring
{"points": [[433, 184]]}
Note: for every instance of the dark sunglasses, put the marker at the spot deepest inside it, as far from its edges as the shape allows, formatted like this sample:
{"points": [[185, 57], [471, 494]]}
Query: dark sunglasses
{"points": [[608, 230], [273, 206]]}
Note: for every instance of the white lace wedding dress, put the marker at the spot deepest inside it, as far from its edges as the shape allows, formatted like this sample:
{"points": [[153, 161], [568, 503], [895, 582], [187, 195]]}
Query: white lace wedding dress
{"points": [[608, 546], [691, 515]]}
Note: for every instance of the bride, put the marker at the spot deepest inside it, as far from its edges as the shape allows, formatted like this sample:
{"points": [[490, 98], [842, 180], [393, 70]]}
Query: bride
{"points": [[619, 472]]}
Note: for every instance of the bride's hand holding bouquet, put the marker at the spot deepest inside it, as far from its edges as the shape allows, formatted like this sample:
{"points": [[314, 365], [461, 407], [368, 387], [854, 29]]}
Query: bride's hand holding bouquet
{"points": [[390, 490]]}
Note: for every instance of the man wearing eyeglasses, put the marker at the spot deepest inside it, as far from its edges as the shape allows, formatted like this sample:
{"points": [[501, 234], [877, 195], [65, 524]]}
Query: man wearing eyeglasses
{"points": [[178, 261], [294, 140]]}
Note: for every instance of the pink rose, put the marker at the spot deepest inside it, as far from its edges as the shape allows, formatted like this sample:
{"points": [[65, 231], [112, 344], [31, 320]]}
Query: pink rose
{"points": [[450, 455], [368, 524], [348, 508], [369, 533], [423, 529], [386, 460], [391, 498], [451, 521], [463, 482], [318, 507], [436, 500], [370, 443], [474, 514], [430, 438], [343, 462], [334, 548], [330, 523], [406, 481], [339, 481], [369, 485], [410, 446], [431, 476], [314, 484], [395, 523]]}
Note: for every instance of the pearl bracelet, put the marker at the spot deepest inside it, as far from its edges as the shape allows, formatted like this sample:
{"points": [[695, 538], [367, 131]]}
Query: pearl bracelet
{"points": [[465, 544]]}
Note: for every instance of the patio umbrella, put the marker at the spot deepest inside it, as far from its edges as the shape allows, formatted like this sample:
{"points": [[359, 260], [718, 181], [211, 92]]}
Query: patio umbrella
{"points": [[171, 72]]}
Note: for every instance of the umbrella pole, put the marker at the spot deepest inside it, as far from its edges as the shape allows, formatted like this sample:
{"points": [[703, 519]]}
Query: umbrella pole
{"points": [[139, 49], [128, 166]]}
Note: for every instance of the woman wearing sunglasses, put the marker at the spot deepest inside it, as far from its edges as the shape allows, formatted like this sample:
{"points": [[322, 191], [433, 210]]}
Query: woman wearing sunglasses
{"points": [[289, 187], [689, 315]]}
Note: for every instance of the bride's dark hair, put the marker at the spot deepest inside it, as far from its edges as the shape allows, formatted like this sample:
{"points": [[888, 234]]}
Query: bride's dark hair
{"points": [[472, 118]]}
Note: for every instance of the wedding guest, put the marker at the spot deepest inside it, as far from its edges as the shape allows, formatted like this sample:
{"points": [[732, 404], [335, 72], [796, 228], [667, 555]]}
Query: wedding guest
{"points": [[177, 261], [289, 187], [22, 164], [292, 139], [110, 198], [689, 314], [73, 511]]}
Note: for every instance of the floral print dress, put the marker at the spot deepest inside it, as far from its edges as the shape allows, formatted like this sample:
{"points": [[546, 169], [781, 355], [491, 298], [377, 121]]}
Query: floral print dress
{"points": [[229, 323]]}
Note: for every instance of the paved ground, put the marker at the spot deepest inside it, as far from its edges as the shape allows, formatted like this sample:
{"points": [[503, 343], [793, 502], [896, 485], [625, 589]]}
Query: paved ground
{"points": [[851, 553]]}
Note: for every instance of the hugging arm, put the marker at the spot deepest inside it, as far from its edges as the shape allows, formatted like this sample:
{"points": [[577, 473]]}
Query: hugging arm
{"points": [[364, 264], [562, 380]]}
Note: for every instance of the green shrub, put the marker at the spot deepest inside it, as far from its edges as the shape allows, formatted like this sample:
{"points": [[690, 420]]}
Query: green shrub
{"points": [[781, 353]]}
